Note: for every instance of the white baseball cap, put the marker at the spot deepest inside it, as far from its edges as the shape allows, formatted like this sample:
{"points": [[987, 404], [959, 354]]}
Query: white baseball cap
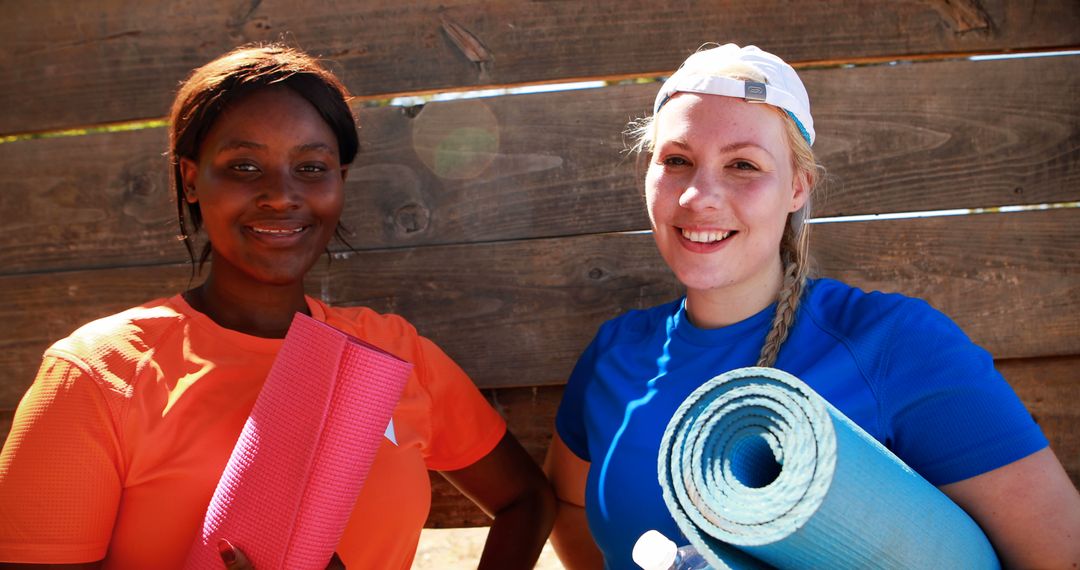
{"points": [[782, 87]]}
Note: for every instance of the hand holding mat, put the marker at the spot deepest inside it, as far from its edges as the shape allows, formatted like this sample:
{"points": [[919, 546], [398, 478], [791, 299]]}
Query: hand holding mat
{"points": [[759, 470], [295, 473]]}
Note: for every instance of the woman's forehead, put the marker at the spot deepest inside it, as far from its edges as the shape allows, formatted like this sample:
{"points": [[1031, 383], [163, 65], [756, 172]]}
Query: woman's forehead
{"points": [[274, 111], [692, 115]]}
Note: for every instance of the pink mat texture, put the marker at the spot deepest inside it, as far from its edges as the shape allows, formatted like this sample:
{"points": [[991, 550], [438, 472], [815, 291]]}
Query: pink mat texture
{"points": [[302, 457]]}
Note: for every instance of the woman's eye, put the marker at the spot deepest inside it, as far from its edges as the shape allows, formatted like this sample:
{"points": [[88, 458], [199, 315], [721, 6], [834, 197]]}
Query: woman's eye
{"points": [[314, 171], [744, 165], [675, 161], [244, 167]]}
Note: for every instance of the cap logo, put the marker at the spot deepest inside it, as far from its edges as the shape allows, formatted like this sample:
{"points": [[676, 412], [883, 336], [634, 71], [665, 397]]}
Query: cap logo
{"points": [[755, 92]]}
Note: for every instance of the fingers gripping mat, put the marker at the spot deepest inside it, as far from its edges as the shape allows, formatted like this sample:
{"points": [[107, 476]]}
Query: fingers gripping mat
{"points": [[295, 473], [759, 471]]}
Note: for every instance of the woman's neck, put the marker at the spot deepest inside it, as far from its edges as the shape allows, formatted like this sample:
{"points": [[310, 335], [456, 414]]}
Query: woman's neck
{"points": [[722, 306], [256, 309]]}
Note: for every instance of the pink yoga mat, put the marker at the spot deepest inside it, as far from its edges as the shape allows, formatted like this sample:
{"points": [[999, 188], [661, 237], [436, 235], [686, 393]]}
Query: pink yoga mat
{"points": [[292, 480]]}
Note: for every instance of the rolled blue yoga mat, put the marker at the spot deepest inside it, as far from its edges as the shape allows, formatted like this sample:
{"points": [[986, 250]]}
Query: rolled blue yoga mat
{"points": [[758, 470]]}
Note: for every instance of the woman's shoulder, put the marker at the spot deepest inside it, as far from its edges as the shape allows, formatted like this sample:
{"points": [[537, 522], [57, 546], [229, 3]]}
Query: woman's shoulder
{"points": [[110, 346], [845, 308], [388, 331], [137, 325], [365, 322], [878, 327]]}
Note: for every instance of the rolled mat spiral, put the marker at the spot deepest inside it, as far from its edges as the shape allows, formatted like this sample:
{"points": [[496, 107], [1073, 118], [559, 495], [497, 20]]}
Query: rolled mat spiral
{"points": [[758, 470], [290, 485]]}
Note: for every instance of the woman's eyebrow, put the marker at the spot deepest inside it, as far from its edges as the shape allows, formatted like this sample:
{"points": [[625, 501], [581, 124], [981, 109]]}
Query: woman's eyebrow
{"points": [[741, 145], [726, 149], [239, 143], [681, 143], [314, 146], [246, 144]]}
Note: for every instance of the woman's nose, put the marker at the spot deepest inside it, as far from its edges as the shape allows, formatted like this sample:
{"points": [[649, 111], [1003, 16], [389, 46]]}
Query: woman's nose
{"points": [[704, 191], [278, 191]]}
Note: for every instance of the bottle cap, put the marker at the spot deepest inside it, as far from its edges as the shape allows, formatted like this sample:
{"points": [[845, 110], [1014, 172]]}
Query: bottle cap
{"points": [[653, 551]]}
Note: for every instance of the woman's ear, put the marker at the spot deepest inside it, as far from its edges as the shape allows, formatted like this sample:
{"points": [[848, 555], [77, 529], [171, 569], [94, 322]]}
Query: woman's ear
{"points": [[800, 185], [344, 171], [189, 172]]}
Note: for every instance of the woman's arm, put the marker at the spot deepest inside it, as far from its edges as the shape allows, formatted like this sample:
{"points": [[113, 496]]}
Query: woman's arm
{"points": [[571, 537], [509, 486], [61, 428], [1029, 509]]}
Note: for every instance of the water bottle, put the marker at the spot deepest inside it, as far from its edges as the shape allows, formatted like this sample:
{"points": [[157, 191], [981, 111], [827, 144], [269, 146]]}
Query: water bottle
{"points": [[653, 551]]}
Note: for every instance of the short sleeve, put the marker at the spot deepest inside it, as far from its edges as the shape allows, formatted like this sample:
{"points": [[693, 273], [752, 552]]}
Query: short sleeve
{"points": [[60, 471], [464, 426], [570, 417], [951, 414]]}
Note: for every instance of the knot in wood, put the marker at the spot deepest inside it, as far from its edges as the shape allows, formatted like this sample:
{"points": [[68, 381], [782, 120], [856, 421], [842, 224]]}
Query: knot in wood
{"points": [[411, 218]]}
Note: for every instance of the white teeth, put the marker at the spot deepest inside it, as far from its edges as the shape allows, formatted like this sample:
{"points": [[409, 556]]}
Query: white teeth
{"points": [[278, 232], [705, 237]]}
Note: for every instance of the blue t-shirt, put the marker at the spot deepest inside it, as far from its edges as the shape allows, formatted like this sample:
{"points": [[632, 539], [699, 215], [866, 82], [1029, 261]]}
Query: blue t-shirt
{"points": [[897, 367]]}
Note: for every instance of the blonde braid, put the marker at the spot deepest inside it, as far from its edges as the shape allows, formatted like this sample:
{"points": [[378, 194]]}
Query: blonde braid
{"points": [[794, 255], [794, 249]]}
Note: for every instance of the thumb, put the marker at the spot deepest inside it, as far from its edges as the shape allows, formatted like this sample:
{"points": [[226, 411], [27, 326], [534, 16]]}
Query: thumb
{"points": [[233, 557]]}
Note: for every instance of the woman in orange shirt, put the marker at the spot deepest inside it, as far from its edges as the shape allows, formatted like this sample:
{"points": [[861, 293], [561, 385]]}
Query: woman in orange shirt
{"points": [[117, 447]]}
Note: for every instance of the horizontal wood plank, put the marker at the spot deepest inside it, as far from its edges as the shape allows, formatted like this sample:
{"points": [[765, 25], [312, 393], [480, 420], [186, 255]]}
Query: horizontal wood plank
{"points": [[107, 60], [519, 313], [936, 136], [905, 138], [1009, 280], [88, 201]]}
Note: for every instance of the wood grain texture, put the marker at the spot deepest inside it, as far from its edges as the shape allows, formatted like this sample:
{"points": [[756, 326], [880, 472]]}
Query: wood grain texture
{"points": [[906, 138], [108, 60], [980, 270], [519, 313], [90, 201], [1049, 387], [945, 135]]}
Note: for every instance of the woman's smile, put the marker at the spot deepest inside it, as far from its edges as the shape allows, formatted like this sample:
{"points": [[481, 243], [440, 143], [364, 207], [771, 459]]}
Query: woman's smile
{"points": [[278, 234], [699, 240]]}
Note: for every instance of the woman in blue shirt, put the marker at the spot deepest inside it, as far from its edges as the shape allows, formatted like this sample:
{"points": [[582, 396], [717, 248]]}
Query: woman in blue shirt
{"points": [[728, 185]]}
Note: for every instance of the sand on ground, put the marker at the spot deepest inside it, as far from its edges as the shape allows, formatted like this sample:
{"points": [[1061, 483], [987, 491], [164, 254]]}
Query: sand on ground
{"points": [[454, 548]]}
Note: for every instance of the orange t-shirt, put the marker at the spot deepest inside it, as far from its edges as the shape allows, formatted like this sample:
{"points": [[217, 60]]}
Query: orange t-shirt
{"points": [[118, 445]]}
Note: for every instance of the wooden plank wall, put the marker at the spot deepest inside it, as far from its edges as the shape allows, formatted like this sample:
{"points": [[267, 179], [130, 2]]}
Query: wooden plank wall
{"points": [[516, 248]]}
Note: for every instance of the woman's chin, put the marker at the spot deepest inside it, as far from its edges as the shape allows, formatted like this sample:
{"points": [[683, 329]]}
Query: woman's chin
{"points": [[698, 282]]}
